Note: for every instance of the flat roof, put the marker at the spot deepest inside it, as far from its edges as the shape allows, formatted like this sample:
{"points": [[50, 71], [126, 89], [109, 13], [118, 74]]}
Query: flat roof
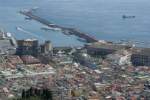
{"points": [[135, 50], [5, 43], [142, 51], [107, 46], [6, 46]]}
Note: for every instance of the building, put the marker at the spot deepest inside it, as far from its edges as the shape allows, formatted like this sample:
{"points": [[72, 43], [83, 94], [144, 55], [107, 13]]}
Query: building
{"points": [[7, 44], [47, 47], [28, 47], [141, 57], [28, 59], [85, 60], [104, 49], [121, 57], [2, 34], [14, 60]]}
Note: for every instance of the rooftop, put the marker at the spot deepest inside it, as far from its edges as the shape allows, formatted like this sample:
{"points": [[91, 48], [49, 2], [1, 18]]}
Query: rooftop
{"points": [[5, 43], [142, 51], [135, 50], [107, 46], [6, 46]]}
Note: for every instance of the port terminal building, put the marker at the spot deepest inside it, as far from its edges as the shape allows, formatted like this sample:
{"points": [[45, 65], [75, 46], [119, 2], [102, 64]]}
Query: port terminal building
{"points": [[139, 56]]}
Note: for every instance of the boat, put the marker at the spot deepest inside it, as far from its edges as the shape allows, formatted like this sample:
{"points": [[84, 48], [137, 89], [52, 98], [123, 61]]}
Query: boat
{"points": [[81, 40], [50, 28], [19, 28], [28, 18], [34, 8], [66, 32], [52, 24], [127, 17]]}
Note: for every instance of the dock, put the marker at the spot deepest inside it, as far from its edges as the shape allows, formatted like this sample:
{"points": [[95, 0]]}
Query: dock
{"points": [[70, 31]]}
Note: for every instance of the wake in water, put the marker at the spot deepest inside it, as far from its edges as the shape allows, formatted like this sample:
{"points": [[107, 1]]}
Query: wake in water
{"points": [[28, 32]]}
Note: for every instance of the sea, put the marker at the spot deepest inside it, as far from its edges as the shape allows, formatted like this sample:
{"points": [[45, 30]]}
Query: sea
{"points": [[101, 19]]}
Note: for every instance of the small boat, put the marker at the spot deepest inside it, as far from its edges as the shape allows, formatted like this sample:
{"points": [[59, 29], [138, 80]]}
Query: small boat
{"points": [[127, 17], [66, 32], [34, 8], [19, 28], [28, 18], [81, 40], [51, 28], [52, 24]]}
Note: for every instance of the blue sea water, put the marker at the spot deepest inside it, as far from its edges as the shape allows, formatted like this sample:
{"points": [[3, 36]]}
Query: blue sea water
{"points": [[10, 19], [99, 18]]}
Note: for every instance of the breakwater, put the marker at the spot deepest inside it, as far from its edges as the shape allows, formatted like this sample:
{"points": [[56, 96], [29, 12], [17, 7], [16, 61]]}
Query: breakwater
{"points": [[65, 30]]}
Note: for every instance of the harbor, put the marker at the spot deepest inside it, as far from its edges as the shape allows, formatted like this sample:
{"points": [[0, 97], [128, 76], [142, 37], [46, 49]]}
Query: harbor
{"points": [[65, 30], [47, 51]]}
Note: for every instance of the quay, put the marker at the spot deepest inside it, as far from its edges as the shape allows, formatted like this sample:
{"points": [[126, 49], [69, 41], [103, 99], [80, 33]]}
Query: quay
{"points": [[70, 31]]}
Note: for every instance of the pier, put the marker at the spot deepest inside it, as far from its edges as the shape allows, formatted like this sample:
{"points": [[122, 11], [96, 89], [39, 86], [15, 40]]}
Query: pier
{"points": [[70, 31]]}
